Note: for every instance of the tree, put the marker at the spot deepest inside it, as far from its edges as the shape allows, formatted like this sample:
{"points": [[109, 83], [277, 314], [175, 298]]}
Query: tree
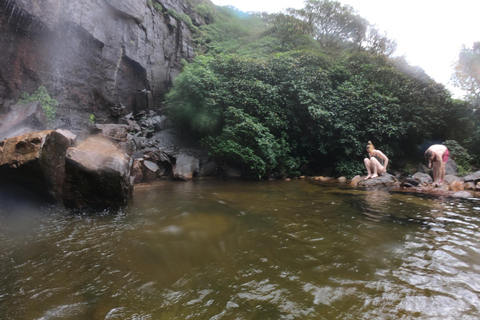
{"points": [[467, 73], [378, 43], [334, 25]]}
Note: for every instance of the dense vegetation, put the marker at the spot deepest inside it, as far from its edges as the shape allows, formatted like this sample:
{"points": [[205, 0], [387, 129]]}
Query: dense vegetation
{"points": [[302, 91]]}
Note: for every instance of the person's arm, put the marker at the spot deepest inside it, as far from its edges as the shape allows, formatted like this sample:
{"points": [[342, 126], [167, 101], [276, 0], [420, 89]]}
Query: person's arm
{"points": [[385, 159]]}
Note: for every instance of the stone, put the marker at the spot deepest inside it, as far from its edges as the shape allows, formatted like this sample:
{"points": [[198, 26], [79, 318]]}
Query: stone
{"points": [[22, 119], [150, 170], [185, 167], [137, 172], [208, 169], [469, 185], [342, 179], [97, 174], [462, 194], [35, 161], [423, 178], [472, 177], [382, 180], [450, 179], [456, 186]]}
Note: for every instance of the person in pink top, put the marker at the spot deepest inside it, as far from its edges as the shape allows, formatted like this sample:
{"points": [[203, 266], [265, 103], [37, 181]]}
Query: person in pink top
{"points": [[437, 156]]}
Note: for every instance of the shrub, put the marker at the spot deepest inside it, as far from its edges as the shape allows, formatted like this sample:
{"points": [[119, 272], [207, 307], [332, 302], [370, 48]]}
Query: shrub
{"points": [[48, 103]]}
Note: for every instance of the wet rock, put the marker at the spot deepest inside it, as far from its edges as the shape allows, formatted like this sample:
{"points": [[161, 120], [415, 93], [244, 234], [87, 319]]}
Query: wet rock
{"points": [[462, 194], [469, 185], [208, 169], [186, 167], [472, 177], [35, 161], [117, 132], [150, 170], [451, 167], [423, 178], [230, 172], [22, 119], [410, 182], [342, 179], [382, 180], [450, 179], [137, 172], [456, 186], [97, 174]]}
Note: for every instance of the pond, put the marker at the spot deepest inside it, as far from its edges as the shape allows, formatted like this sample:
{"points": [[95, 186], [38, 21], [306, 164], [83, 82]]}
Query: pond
{"points": [[213, 249]]}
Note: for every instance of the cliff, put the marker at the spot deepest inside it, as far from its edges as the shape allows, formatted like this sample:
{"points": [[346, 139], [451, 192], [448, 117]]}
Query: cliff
{"points": [[92, 55]]}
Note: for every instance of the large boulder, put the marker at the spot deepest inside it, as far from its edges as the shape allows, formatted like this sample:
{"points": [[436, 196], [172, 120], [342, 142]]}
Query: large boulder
{"points": [[35, 162], [473, 177], [186, 167], [97, 174], [385, 179]]}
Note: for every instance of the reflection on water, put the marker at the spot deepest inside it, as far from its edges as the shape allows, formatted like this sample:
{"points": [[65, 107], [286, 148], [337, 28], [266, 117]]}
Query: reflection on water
{"points": [[244, 250]]}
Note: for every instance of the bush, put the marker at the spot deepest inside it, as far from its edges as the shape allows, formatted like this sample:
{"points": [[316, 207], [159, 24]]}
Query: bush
{"points": [[461, 157], [48, 104]]}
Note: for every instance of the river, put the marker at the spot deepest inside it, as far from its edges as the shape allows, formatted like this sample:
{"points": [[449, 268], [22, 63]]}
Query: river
{"points": [[213, 249]]}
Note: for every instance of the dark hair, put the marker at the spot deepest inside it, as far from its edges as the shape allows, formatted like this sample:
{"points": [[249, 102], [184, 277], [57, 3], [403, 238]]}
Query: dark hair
{"points": [[428, 154]]}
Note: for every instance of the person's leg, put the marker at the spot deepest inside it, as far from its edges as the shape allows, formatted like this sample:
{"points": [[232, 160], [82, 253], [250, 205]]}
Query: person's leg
{"points": [[436, 171], [442, 173], [377, 167], [368, 166]]}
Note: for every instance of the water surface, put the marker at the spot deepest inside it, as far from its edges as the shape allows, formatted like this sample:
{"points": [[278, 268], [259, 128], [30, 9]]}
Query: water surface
{"points": [[244, 250]]}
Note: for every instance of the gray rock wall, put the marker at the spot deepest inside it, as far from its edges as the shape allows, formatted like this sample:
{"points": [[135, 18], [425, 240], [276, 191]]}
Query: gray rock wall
{"points": [[91, 54]]}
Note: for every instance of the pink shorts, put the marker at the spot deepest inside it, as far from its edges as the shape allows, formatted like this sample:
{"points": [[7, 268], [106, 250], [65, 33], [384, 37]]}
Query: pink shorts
{"points": [[445, 156]]}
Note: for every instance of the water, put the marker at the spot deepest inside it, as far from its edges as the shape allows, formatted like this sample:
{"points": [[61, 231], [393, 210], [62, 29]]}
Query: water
{"points": [[244, 250]]}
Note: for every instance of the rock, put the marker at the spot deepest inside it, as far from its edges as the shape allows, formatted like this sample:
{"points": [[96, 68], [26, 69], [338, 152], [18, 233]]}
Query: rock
{"points": [[209, 169], [342, 179], [35, 161], [355, 180], [423, 178], [22, 119], [150, 170], [451, 178], [186, 167], [230, 172], [469, 186], [451, 167], [462, 194], [477, 186], [472, 177], [97, 174], [410, 182], [137, 172], [382, 180], [117, 132], [456, 186], [423, 169]]}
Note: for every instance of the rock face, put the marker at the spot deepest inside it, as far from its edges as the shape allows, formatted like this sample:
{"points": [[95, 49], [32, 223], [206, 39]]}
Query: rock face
{"points": [[94, 57], [23, 118], [97, 174], [35, 161]]}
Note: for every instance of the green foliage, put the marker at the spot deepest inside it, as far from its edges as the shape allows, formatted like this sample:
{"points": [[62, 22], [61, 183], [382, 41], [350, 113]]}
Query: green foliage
{"points": [[460, 155], [263, 113], [270, 94], [48, 103], [91, 118]]}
